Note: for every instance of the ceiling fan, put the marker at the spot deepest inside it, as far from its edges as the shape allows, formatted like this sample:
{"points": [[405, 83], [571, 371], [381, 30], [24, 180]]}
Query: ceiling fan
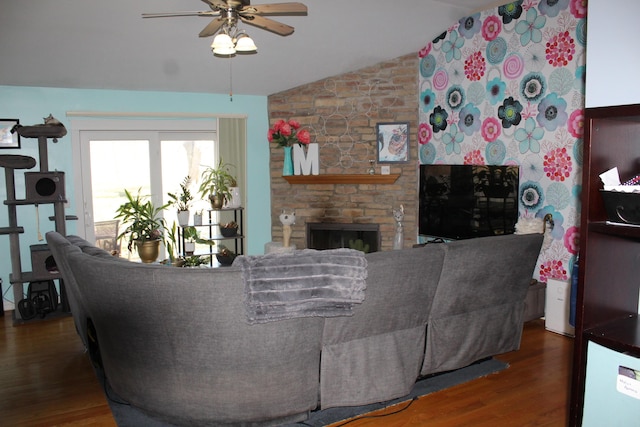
{"points": [[227, 13]]}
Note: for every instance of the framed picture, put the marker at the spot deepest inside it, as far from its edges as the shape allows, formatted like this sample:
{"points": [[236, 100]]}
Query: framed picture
{"points": [[8, 139], [393, 142]]}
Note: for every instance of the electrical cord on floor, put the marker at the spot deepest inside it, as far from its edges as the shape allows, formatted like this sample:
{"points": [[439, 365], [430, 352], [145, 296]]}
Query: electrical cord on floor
{"points": [[364, 417]]}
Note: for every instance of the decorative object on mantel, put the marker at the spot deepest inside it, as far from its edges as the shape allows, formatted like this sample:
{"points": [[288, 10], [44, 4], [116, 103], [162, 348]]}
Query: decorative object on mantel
{"points": [[286, 134], [306, 163], [287, 164], [372, 169], [398, 216]]}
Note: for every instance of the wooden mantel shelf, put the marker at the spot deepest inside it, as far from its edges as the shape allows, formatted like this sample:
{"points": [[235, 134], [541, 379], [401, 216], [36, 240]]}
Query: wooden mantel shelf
{"points": [[342, 179]]}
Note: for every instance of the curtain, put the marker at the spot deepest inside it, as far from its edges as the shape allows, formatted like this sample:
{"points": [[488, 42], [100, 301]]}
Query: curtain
{"points": [[232, 134]]}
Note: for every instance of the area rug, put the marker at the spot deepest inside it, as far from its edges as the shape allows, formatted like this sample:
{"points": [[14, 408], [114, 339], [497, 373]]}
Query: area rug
{"points": [[127, 416]]}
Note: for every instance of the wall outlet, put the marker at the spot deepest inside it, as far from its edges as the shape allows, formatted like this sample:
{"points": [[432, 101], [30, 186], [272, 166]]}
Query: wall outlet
{"points": [[385, 170]]}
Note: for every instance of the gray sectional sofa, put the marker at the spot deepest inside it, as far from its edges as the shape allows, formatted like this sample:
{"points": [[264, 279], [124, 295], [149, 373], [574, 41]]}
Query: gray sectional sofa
{"points": [[177, 344]]}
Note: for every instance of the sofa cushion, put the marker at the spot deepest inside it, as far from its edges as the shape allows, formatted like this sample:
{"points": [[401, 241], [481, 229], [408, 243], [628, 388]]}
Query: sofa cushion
{"points": [[376, 354], [478, 306]]}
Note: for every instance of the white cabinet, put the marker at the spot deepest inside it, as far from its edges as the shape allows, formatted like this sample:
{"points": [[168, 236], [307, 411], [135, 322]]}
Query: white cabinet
{"points": [[557, 306]]}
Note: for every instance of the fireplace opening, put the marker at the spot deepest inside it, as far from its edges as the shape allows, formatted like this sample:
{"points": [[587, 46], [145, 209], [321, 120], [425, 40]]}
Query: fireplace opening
{"points": [[364, 237]]}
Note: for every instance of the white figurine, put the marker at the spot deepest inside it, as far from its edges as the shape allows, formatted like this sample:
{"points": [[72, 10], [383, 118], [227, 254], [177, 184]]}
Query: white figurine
{"points": [[398, 216], [287, 220]]}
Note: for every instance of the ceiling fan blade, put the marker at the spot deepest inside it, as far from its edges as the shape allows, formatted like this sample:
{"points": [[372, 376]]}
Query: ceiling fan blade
{"points": [[212, 27], [216, 4], [277, 9], [267, 24], [171, 14]]}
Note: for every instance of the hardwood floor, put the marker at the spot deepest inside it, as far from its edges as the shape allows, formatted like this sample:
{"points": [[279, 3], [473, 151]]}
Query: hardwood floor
{"points": [[46, 379]]}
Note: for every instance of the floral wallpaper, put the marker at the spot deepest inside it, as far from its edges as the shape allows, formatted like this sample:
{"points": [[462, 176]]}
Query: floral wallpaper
{"points": [[506, 86]]}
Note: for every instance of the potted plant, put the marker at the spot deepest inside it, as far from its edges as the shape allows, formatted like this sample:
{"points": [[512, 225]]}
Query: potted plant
{"points": [[145, 225], [216, 184], [229, 229], [190, 236], [195, 261], [226, 256], [182, 201], [171, 241]]}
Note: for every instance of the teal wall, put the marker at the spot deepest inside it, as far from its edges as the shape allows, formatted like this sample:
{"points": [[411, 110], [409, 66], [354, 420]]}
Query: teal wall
{"points": [[31, 104]]}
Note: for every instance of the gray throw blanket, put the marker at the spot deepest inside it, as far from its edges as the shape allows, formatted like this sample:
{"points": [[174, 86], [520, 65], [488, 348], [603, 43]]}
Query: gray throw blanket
{"points": [[303, 283]]}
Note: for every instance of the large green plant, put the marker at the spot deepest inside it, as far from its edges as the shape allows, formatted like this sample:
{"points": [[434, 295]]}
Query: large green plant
{"points": [[143, 219], [216, 183]]}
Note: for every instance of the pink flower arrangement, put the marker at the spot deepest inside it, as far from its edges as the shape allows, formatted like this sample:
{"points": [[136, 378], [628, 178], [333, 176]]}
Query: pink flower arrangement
{"points": [[285, 134]]}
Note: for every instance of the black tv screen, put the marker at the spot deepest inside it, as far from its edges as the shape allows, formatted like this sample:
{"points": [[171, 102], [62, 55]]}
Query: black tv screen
{"points": [[466, 201]]}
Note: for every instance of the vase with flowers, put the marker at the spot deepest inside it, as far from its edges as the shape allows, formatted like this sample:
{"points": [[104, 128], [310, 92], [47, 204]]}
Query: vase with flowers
{"points": [[286, 134]]}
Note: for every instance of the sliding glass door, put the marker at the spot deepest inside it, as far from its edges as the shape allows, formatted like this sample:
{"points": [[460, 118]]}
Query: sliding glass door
{"points": [[153, 162]]}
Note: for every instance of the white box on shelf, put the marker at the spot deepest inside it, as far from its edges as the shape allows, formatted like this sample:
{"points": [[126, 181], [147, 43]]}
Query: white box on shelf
{"points": [[557, 306]]}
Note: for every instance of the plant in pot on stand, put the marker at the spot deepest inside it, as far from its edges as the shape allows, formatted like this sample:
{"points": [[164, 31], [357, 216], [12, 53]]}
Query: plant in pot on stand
{"points": [[171, 241], [190, 236], [182, 201], [216, 184], [229, 229], [226, 256], [145, 225]]}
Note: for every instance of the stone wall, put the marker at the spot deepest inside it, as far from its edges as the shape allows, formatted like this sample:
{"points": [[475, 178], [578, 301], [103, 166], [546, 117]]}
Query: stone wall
{"points": [[341, 113]]}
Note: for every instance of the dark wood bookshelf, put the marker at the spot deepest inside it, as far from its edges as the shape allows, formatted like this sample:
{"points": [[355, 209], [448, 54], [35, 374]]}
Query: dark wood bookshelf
{"points": [[607, 292]]}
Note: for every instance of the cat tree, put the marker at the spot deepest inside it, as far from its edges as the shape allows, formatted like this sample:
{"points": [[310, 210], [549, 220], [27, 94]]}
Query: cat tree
{"points": [[43, 187]]}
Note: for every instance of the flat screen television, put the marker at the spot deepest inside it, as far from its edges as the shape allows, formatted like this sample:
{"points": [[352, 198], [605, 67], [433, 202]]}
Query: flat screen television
{"points": [[466, 201]]}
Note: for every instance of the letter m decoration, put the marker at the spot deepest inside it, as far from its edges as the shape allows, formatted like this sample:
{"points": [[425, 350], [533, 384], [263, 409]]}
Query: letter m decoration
{"points": [[306, 163]]}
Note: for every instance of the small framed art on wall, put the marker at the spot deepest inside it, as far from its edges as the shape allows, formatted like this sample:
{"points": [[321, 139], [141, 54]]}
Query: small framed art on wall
{"points": [[9, 138], [392, 142]]}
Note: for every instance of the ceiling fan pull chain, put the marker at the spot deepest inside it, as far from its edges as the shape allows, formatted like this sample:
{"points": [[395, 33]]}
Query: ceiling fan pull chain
{"points": [[230, 80]]}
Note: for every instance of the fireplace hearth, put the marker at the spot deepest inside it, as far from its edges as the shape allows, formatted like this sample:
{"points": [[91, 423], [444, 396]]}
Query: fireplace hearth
{"points": [[365, 237]]}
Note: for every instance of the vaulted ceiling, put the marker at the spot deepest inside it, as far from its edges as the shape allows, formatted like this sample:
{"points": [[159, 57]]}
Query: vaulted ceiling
{"points": [[107, 45]]}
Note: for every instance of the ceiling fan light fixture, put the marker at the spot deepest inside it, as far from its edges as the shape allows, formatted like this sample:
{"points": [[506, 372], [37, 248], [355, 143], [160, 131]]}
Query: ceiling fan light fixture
{"points": [[227, 13], [221, 42], [224, 51], [245, 44]]}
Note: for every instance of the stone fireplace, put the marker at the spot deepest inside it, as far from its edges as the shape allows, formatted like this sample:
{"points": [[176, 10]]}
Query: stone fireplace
{"points": [[341, 113]]}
